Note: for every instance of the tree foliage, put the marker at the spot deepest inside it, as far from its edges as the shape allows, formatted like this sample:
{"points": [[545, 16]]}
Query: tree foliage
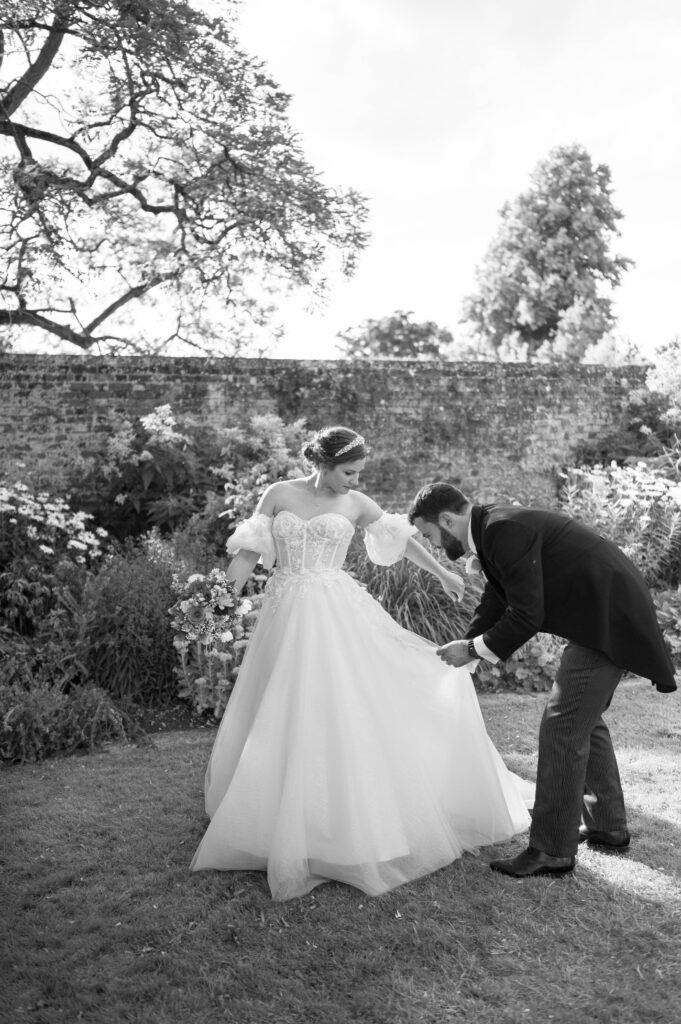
{"points": [[395, 337], [152, 185], [544, 285]]}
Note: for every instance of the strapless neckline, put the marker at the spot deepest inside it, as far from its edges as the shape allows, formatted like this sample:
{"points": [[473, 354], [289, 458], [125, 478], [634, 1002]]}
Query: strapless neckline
{"points": [[320, 515]]}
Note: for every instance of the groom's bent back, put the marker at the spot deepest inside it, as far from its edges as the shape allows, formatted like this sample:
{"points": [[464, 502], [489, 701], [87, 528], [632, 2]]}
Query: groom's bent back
{"points": [[546, 572]]}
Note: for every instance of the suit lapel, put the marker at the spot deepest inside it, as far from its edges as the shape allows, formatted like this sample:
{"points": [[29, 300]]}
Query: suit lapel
{"points": [[479, 514]]}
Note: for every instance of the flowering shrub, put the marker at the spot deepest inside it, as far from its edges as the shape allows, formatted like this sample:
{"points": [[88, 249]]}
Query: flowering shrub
{"points": [[208, 619], [45, 549], [636, 507], [532, 667], [265, 450], [44, 528], [151, 474]]}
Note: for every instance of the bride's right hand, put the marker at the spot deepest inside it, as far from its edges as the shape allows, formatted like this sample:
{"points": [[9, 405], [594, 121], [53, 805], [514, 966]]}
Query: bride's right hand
{"points": [[453, 585]]}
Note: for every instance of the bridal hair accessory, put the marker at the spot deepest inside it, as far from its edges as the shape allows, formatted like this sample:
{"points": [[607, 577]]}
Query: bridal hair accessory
{"points": [[348, 448]]}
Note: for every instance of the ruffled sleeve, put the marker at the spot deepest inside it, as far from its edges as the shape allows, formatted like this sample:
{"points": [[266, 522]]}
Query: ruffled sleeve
{"points": [[386, 538], [254, 534]]}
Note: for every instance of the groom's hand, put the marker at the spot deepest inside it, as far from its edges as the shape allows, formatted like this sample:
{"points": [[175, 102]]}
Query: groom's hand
{"points": [[453, 585], [455, 653]]}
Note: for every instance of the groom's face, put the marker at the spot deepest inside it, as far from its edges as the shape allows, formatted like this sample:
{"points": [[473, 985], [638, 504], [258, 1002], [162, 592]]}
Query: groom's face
{"points": [[451, 545], [441, 536]]}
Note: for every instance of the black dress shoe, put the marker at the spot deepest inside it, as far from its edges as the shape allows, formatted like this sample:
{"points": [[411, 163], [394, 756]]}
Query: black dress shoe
{"points": [[533, 862], [618, 839]]}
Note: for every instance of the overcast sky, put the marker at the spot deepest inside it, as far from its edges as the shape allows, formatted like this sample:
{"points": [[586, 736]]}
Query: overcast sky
{"points": [[439, 110]]}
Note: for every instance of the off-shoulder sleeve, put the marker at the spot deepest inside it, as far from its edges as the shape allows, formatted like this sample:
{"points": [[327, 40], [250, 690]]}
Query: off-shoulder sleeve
{"points": [[254, 534], [386, 538]]}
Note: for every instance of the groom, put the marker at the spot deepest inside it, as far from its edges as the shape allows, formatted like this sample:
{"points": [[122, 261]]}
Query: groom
{"points": [[545, 572]]}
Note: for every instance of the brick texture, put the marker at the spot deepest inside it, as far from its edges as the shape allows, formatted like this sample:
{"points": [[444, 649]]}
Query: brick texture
{"points": [[498, 430]]}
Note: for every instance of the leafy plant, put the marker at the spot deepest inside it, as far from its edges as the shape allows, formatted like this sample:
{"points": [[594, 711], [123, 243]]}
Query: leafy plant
{"points": [[254, 456], [40, 721], [44, 528], [637, 508], [45, 548], [129, 639], [668, 607], [150, 474]]}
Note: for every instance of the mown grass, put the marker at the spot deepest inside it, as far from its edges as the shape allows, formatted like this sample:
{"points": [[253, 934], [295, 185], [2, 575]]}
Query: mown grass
{"points": [[105, 924]]}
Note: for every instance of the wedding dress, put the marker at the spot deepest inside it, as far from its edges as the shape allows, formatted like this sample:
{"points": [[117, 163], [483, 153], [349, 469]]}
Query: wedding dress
{"points": [[348, 749]]}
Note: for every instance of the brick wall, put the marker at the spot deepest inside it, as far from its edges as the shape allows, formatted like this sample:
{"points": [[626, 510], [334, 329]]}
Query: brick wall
{"points": [[500, 430]]}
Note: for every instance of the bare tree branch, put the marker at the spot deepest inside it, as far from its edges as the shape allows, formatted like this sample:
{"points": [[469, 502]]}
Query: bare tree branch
{"points": [[28, 81], [133, 293]]}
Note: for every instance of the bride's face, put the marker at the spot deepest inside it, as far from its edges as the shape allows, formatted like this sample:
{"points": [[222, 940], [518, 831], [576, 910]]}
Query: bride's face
{"points": [[344, 477]]}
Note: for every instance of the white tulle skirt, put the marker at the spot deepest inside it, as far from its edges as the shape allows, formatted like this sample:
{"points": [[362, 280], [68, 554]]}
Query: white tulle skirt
{"points": [[349, 751]]}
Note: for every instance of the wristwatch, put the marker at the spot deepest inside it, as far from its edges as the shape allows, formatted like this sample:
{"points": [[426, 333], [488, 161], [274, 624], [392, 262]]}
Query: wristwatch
{"points": [[471, 650]]}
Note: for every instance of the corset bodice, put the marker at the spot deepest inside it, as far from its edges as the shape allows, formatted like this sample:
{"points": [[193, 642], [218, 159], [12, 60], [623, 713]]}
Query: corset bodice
{"points": [[312, 545]]}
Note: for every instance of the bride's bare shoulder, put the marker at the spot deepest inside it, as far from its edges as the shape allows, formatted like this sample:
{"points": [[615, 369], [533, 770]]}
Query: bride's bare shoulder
{"points": [[276, 494], [366, 509]]}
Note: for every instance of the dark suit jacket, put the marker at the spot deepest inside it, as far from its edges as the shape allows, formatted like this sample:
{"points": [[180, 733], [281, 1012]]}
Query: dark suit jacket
{"points": [[549, 573]]}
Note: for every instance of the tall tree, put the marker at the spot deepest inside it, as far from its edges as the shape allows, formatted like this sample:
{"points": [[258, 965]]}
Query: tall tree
{"points": [[152, 185], [544, 285], [395, 337]]}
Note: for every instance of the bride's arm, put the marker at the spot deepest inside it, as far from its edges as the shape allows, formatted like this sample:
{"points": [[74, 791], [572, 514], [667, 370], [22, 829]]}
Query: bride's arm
{"points": [[245, 559], [241, 567], [452, 583]]}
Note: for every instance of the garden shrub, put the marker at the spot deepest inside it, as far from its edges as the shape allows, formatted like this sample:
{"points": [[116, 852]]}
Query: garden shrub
{"points": [[151, 474], [40, 721], [165, 472], [129, 638], [255, 456], [636, 507], [668, 607], [45, 549]]}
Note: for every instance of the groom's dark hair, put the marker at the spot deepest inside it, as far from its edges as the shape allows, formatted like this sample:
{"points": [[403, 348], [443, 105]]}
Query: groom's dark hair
{"points": [[436, 498]]}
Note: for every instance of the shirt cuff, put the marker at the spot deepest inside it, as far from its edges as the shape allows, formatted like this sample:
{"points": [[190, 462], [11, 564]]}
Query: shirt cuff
{"points": [[483, 650]]}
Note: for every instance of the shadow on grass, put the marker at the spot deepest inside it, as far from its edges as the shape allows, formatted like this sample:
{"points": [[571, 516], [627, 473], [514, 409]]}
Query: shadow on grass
{"points": [[105, 924]]}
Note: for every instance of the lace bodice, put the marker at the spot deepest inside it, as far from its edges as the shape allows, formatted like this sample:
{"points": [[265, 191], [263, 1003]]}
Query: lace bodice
{"points": [[311, 545], [318, 544]]}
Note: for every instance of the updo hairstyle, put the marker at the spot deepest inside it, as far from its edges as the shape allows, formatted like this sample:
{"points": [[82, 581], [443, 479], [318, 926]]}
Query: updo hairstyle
{"points": [[333, 445]]}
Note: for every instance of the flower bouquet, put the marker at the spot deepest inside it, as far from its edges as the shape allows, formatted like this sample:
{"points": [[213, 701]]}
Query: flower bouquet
{"points": [[209, 620]]}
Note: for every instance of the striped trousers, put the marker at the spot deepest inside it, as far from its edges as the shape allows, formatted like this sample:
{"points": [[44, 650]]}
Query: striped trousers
{"points": [[577, 774]]}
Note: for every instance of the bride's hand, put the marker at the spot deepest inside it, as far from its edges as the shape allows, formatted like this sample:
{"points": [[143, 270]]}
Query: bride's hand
{"points": [[453, 585]]}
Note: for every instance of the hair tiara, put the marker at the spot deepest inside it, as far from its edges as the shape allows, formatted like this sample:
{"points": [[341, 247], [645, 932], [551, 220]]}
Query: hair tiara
{"points": [[355, 443]]}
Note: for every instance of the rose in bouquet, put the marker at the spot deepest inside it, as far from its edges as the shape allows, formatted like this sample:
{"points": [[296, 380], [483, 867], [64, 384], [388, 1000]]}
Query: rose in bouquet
{"points": [[211, 624]]}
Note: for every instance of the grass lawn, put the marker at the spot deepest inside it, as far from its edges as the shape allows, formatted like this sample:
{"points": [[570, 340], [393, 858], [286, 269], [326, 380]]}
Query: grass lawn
{"points": [[104, 923]]}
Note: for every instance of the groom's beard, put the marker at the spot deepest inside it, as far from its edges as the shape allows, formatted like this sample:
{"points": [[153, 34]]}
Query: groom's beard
{"points": [[453, 548]]}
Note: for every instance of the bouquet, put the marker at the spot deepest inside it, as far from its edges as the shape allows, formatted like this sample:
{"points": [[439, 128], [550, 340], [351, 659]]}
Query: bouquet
{"points": [[210, 623]]}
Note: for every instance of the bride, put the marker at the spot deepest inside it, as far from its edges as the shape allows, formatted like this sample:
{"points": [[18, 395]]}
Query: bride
{"points": [[348, 750]]}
